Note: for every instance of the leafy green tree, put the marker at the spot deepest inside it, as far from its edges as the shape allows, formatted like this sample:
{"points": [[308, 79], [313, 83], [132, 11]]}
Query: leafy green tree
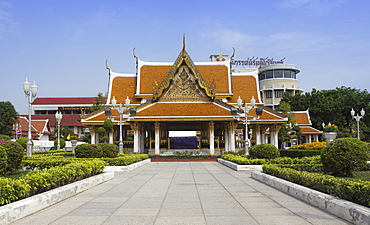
{"points": [[288, 130], [8, 117], [334, 106], [98, 103]]}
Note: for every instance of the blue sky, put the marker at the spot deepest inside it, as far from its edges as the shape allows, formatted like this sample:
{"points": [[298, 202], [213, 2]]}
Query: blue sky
{"points": [[63, 45]]}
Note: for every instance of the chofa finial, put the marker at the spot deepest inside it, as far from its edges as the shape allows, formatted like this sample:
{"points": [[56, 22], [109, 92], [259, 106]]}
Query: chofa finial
{"points": [[183, 42]]}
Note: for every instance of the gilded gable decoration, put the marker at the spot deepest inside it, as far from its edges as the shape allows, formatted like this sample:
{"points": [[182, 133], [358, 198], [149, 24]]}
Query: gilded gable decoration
{"points": [[184, 61], [184, 87]]}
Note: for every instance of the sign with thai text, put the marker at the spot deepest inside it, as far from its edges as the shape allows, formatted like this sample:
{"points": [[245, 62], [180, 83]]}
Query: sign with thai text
{"points": [[255, 61]]}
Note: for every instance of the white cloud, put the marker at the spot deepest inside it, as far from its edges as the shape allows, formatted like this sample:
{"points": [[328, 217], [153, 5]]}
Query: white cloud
{"points": [[318, 7], [7, 23], [284, 43]]}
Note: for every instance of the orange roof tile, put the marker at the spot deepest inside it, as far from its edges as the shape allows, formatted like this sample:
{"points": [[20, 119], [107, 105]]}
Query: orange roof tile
{"points": [[184, 109], [245, 87], [123, 87], [149, 74], [217, 73], [309, 130], [301, 118]]}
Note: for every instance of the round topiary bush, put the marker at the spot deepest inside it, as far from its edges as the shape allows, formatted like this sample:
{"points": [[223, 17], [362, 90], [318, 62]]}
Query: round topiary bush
{"points": [[101, 150], [15, 153], [108, 150], [264, 151], [344, 155], [3, 161], [23, 141], [4, 137], [62, 143]]}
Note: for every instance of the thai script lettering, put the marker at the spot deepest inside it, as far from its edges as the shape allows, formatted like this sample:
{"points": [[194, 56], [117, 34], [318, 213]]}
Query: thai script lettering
{"points": [[255, 61]]}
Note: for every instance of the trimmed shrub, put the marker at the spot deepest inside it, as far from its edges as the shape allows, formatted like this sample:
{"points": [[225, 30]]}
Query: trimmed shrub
{"points": [[3, 161], [101, 150], [86, 151], [15, 155], [343, 155], [23, 141], [264, 151], [12, 190], [62, 143], [4, 137], [298, 153], [354, 191], [39, 181], [108, 150]]}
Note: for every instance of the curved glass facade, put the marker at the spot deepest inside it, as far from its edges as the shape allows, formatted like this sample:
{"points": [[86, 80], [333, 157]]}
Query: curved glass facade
{"points": [[278, 73]]}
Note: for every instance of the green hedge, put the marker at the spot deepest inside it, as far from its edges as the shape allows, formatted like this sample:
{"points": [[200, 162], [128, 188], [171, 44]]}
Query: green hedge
{"points": [[126, 159], [354, 191], [297, 153], [184, 157], [243, 160], [53, 153], [43, 180], [43, 161]]}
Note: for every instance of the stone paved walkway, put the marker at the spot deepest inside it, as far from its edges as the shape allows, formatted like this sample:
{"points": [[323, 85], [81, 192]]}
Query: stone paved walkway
{"points": [[182, 193]]}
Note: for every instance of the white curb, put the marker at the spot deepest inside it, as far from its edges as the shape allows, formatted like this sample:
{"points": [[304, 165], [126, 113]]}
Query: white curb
{"points": [[22, 208], [126, 168], [346, 210], [238, 167]]}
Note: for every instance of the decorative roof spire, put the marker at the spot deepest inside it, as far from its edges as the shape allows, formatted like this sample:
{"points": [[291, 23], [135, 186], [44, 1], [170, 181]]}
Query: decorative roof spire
{"points": [[183, 42]]}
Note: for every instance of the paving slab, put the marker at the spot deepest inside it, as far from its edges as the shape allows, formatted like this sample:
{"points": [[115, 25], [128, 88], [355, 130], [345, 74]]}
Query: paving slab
{"points": [[182, 193]]}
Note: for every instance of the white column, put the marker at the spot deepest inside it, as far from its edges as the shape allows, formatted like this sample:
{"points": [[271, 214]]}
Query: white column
{"points": [[92, 132], [110, 138], [274, 136], [157, 138], [258, 135], [232, 136], [135, 128], [211, 138]]}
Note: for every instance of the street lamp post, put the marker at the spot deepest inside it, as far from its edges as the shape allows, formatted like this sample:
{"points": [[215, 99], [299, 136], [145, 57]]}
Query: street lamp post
{"points": [[358, 118], [30, 92], [58, 117], [121, 110], [246, 111]]}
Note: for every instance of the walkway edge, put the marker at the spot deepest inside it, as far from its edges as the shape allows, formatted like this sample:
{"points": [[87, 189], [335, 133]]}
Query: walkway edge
{"points": [[346, 210], [22, 208], [126, 168], [238, 167]]}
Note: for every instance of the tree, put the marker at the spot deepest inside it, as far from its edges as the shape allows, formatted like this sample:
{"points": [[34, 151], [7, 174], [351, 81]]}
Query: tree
{"points": [[98, 103], [288, 130], [8, 117], [334, 106]]}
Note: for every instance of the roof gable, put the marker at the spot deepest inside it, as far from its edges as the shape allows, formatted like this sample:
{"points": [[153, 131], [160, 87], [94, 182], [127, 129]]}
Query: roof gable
{"points": [[184, 78]]}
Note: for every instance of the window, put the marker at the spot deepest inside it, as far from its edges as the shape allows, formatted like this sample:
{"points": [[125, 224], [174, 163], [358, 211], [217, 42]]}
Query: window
{"points": [[262, 76], [269, 74], [279, 94], [287, 74], [278, 73], [293, 75], [268, 94]]}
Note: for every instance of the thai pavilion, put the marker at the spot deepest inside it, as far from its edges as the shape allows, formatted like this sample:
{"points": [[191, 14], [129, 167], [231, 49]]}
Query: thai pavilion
{"points": [[185, 96]]}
